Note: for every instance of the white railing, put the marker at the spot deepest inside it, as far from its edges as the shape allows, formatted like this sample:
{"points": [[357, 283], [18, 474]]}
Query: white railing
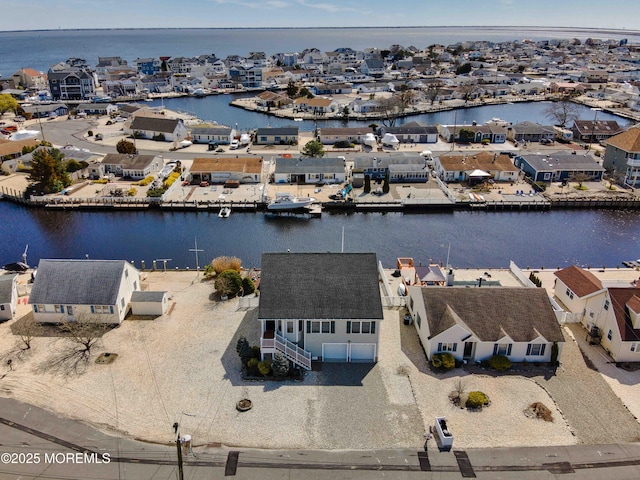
{"points": [[248, 302], [390, 302], [292, 351]]}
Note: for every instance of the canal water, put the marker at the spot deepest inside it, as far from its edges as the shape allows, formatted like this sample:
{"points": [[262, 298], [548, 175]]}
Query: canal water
{"points": [[477, 239]]}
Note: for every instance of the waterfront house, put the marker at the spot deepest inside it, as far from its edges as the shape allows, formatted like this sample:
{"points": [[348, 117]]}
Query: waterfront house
{"points": [[475, 324], [331, 89], [412, 132], [330, 136], [97, 108], [270, 99], [248, 76], [83, 290], [373, 67], [595, 131], [610, 314], [13, 149], [320, 306], [67, 82], [131, 166], [158, 128], [464, 167], [30, 79], [213, 134], [622, 155], [403, 167], [8, 296], [530, 132], [224, 169], [309, 170], [315, 105], [148, 66], [46, 110], [558, 166], [276, 136]]}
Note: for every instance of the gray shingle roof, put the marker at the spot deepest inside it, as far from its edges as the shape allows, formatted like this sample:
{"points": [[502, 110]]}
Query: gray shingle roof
{"points": [[153, 124], [283, 131], [77, 282], [139, 296], [319, 285], [6, 286], [521, 313], [128, 162], [309, 165]]}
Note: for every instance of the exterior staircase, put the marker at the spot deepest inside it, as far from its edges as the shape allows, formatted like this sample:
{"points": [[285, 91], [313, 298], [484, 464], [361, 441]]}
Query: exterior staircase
{"points": [[289, 349]]}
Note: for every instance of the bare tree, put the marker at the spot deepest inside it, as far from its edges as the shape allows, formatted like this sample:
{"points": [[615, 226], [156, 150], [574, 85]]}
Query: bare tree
{"points": [[82, 337], [562, 111], [468, 91], [389, 108], [580, 178], [613, 177], [433, 90], [405, 97], [26, 329]]}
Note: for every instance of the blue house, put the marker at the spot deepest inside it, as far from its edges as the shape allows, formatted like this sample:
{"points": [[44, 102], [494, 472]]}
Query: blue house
{"points": [[558, 166]]}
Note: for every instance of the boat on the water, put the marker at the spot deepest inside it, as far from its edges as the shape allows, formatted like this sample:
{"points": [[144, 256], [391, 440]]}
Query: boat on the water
{"points": [[224, 212], [286, 202]]}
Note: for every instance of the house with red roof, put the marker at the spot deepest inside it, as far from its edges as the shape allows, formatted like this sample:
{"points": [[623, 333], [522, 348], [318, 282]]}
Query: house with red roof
{"points": [[610, 314]]}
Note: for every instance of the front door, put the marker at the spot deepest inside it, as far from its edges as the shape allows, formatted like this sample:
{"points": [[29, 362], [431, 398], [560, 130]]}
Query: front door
{"points": [[70, 310], [468, 350]]}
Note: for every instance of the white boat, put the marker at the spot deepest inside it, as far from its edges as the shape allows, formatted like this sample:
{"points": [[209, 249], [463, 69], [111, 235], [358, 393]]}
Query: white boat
{"points": [[370, 140], [224, 212], [285, 201]]}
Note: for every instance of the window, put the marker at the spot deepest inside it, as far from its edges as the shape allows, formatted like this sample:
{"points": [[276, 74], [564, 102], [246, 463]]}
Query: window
{"points": [[289, 327], [59, 308], [321, 327], [536, 349], [102, 309], [361, 327], [635, 347], [502, 349], [606, 305], [2, 308], [569, 293], [122, 302], [447, 347], [418, 320], [609, 334]]}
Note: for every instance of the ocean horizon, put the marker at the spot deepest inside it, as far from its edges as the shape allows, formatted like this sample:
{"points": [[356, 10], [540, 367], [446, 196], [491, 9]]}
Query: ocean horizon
{"points": [[39, 49]]}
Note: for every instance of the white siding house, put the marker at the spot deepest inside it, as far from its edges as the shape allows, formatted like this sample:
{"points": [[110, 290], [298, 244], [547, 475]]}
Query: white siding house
{"points": [[83, 290], [475, 324], [8, 296]]}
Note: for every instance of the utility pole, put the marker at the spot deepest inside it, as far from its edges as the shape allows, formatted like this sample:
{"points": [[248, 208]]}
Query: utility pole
{"points": [[176, 429]]}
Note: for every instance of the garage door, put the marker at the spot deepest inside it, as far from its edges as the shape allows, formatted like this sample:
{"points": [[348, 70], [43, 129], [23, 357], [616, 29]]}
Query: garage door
{"points": [[334, 352], [363, 352]]}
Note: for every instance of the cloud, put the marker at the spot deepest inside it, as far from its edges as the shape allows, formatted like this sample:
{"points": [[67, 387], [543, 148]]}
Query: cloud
{"points": [[327, 7], [269, 4]]}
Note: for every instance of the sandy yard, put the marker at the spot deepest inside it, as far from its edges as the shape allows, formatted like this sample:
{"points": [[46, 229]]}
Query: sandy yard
{"points": [[183, 367]]}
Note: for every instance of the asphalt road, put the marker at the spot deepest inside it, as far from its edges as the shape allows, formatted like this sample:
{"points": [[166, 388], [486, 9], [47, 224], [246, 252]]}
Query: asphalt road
{"points": [[37, 444]]}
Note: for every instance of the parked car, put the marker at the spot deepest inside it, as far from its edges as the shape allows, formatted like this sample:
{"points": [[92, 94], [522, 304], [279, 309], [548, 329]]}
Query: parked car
{"points": [[204, 184], [234, 145]]}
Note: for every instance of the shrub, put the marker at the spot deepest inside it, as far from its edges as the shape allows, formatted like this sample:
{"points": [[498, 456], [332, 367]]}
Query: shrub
{"points": [[244, 350], [109, 122], [264, 367], [443, 361], [132, 192], [343, 144], [145, 181], [73, 165], [101, 181], [280, 365], [540, 410], [220, 264], [155, 192], [255, 351], [228, 283], [159, 137], [252, 366], [90, 133], [476, 400], [248, 286], [500, 362]]}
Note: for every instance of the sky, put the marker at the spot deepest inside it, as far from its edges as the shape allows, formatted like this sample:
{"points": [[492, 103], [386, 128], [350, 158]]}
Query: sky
{"points": [[83, 14]]}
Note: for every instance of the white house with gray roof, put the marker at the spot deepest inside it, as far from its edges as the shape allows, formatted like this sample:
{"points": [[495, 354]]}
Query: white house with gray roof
{"points": [[220, 135], [86, 290], [8, 296], [172, 129], [309, 170], [475, 324], [131, 166], [320, 306]]}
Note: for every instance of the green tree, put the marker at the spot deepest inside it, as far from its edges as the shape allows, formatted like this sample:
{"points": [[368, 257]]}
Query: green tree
{"points": [[385, 184], [466, 136], [228, 283], [248, 287], [7, 103], [464, 68], [280, 365], [244, 350], [127, 147], [292, 89], [313, 148], [345, 111], [48, 172], [304, 92]]}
